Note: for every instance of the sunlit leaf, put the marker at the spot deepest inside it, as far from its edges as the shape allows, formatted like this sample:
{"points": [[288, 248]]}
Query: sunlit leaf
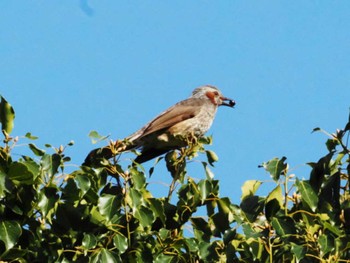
{"points": [[144, 215], [120, 242], [163, 258], [249, 188], [104, 255], [212, 157], [204, 189], [208, 171], [95, 137], [108, 205], [83, 183], [275, 167], [138, 178], [326, 243], [89, 241], [10, 231], [308, 195], [298, 251]]}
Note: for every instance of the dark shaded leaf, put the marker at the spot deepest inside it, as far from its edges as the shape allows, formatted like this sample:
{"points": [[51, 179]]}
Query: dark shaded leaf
{"points": [[7, 115], [252, 206], [36, 150], [274, 202], [157, 207], [283, 225], [30, 136], [5, 185]]}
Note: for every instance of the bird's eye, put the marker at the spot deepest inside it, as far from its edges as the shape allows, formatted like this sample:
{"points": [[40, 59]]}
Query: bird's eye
{"points": [[216, 93]]}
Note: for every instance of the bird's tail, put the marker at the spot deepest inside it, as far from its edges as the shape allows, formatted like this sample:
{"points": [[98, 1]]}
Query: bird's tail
{"points": [[96, 155]]}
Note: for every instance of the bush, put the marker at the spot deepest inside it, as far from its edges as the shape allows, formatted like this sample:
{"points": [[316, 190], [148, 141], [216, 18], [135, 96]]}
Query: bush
{"points": [[107, 213]]}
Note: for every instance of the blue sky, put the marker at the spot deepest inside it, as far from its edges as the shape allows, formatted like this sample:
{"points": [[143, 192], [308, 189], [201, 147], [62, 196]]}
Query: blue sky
{"points": [[69, 67]]}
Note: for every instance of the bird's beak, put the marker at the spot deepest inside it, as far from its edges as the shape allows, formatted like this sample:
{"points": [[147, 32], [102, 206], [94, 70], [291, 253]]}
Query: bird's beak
{"points": [[227, 102]]}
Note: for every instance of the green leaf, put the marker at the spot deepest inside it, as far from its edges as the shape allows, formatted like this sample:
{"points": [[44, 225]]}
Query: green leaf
{"points": [[212, 157], [298, 251], [5, 185], [276, 167], [50, 163], [136, 197], [105, 256], [157, 207], [7, 115], [120, 242], [276, 194], [138, 178], [89, 241], [252, 206], [204, 189], [36, 150], [95, 137], [224, 205], [316, 129], [308, 195], [192, 244], [274, 202], [10, 231], [326, 244], [83, 183], [23, 172], [108, 205], [30, 136], [46, 200], [249, 188], [162, 258], [283, 226], [144, 215], [335, 230], [208, 172]]}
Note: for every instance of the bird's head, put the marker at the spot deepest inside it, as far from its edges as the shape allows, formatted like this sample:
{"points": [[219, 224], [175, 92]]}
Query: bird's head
{"points": [[214, 95]]}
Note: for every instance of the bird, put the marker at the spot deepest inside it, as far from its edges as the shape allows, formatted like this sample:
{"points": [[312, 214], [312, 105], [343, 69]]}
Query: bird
{"points": [[169, 130]]}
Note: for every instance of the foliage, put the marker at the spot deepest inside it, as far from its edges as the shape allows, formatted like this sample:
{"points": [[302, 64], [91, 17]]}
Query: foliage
{"points": [[107, 214]]}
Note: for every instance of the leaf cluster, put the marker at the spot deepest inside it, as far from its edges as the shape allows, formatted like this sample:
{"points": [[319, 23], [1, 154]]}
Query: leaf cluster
{"points": [[50, 212]]}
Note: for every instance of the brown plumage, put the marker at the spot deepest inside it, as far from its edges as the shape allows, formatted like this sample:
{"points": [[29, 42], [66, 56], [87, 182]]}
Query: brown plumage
{"points": [[190, 117]]}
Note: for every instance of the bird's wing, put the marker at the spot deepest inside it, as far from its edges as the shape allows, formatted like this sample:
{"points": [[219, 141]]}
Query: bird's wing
{"points": [[181, 111]]}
